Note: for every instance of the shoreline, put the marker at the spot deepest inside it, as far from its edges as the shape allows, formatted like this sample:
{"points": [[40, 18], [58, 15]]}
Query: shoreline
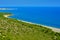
{"points": [[6, 16], [53, 28]]}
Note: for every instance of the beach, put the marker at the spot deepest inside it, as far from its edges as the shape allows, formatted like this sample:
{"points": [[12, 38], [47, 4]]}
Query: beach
{"points": [[53, 29], [6, 15]]}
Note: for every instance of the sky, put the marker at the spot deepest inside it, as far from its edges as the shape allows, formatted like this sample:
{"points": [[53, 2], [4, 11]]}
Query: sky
{"points": [[54, 3]]}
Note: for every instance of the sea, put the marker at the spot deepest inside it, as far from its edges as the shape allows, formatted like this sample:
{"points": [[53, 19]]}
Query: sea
{"points": [[49, 16]]}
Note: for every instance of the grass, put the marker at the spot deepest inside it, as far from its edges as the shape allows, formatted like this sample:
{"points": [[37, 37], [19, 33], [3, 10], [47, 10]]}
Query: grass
{"points": [[12, 29]]}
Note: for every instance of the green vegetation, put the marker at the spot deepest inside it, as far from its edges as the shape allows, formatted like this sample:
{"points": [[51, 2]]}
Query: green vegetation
{"points": [[12, 29]]}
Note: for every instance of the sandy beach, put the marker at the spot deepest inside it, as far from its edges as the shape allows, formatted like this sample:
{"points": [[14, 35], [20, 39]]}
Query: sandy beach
{"points": [[53, 29], [6, 15]]}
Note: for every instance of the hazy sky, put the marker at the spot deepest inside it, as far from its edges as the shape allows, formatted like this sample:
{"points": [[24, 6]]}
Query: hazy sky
{"points": [[30, 3]]}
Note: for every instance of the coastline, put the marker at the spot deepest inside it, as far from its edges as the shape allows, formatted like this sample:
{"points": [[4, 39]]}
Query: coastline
{"points": [[53, 28], [6, 16]]}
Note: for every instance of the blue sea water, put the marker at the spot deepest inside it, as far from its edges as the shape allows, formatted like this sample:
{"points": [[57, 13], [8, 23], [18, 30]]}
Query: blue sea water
{"points": [[49, 16]]}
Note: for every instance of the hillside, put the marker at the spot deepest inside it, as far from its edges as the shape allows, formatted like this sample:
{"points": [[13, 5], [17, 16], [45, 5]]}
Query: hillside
{"points": [[12, 29]]}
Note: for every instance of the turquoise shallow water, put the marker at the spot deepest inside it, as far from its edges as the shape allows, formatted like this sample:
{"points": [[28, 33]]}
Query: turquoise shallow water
{"points": [[49, 16]]}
